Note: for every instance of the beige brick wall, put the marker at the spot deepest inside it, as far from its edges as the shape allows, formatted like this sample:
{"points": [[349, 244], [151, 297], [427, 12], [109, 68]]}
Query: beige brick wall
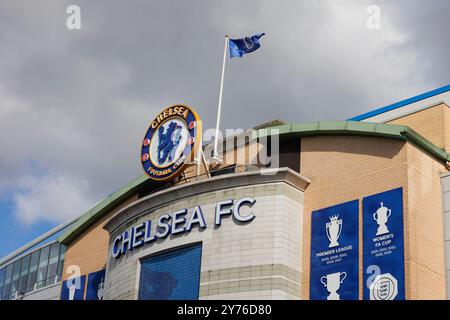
{"points": [[425, 259], [432, 123], [343, 168], [446, 127]]}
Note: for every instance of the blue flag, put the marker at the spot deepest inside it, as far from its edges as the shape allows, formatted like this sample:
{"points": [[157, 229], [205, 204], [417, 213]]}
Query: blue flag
{"points": [[239, 47]]}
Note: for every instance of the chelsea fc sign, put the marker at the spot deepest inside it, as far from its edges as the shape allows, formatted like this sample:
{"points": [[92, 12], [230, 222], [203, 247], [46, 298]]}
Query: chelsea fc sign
{"points": [[171, 142]]}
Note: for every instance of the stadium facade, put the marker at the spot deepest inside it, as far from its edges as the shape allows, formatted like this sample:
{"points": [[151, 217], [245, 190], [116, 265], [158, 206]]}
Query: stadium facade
{"points": [[357, 209]]}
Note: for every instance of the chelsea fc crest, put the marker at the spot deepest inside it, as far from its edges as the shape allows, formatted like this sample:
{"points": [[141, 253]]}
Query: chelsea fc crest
{"points": [[171, 142]]}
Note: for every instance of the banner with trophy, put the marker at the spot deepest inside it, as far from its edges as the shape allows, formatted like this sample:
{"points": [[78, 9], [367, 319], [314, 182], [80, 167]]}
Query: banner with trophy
{"points": [[383, 246], [95, 285], [73, 288], [334, 253]]}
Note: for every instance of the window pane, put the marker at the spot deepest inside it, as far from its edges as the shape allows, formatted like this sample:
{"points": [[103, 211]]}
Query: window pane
{"points": [[24, 274], [42, 269], [5, 294], [62, 253], [2, 281], [33, 271], [52, 264], [15, 278]]}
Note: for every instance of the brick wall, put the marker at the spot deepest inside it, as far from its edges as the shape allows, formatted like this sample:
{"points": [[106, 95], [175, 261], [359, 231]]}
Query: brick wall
{"points": [[425, 259], [432, 123]]}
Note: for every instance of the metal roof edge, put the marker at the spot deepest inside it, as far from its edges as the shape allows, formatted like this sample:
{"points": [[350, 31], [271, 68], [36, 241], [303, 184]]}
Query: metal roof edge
{"points": [[426, 145], [400, 104], [333, 127]]}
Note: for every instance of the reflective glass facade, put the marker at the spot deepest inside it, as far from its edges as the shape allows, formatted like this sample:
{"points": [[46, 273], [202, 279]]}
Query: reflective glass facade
{"points": [[33, 271]]}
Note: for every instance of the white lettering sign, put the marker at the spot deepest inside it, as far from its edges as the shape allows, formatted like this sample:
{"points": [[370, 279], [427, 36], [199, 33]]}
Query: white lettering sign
{"points": [[179, 222]]}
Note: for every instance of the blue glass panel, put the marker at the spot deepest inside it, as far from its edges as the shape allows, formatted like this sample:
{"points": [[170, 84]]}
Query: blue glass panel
{"points": [[173, 275], [2, 280]]}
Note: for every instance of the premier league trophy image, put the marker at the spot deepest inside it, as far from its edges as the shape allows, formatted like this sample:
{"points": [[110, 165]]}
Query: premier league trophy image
{"points": [[381, 217], [333, 282], [334, 228]]}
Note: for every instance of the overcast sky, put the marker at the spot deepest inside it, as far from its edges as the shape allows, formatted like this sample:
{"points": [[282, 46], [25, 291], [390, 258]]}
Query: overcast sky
{"points": [[75, 104]]}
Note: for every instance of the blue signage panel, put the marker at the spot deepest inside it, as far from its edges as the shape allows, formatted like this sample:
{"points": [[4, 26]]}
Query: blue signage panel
{"points": [[95, 285], [383, 246], [73, 289], [334, 253], [173, 275]]}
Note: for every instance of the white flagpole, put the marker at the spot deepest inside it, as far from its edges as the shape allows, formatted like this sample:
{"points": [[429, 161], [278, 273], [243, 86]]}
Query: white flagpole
{"points": [[219, 109]]}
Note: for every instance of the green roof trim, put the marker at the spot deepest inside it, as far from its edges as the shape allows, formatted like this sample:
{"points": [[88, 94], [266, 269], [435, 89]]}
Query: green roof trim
{"points": [[335, 128], [354, 128], [97, 211]]}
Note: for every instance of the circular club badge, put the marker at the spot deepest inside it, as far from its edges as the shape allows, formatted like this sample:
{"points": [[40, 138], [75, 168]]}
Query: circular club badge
{"points": [[171, 142]]}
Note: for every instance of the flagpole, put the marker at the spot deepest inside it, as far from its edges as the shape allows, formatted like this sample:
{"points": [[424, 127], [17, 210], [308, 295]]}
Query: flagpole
{"points": [[219, 109]]}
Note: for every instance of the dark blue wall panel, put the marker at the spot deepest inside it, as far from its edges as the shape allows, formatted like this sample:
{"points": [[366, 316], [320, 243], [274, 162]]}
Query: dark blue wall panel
{"points": [[384, 252], [78, 293], [334, 263], [172, 275], [95, 285]]}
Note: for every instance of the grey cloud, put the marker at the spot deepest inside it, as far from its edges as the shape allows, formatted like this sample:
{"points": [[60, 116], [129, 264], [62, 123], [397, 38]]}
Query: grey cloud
{"points": [[79, 102]]}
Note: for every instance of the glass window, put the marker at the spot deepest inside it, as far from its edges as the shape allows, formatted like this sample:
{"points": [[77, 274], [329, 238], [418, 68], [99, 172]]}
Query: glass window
{"points": [[52, 264], [7, 286], [2, 281], [32, 276], [62, 253], [42, 269], [15, 278], [24, 274]]}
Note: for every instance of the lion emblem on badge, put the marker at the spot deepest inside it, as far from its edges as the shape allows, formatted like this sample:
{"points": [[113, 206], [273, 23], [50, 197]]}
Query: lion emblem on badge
{"points": [[169, 139]]}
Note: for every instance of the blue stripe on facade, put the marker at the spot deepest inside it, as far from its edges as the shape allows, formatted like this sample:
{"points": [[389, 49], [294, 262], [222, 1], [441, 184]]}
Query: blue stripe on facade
{"points": [[400, 104]]}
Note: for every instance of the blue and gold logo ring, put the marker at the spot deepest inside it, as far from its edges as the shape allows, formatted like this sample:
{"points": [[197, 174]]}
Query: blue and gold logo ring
{"points": [[171, 142]]}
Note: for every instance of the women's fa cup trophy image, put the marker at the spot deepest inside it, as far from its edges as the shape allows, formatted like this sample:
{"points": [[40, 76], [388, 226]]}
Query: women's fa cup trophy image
{"points": [[334, 228], [381, 217], [333, 282]]}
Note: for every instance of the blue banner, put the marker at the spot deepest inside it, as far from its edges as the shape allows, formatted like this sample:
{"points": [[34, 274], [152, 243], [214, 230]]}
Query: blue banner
{"points": [[95, 285], [73, 289], [383, 246], [334, 253]]}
